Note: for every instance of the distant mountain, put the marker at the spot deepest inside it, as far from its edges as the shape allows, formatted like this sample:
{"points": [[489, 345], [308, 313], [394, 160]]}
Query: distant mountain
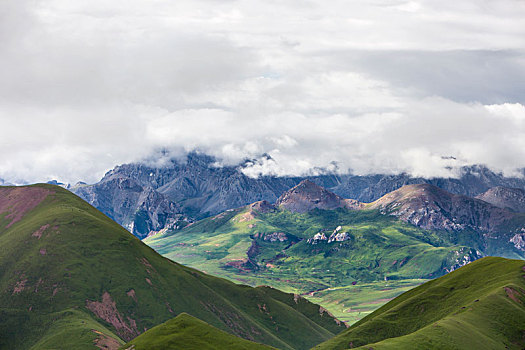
{"points": [[196, 188], [479, 306], [433, 208], [58, 183], [5, 183], [73, 279], [506, 198], [138, 208], [471, 181], [189, 333]]}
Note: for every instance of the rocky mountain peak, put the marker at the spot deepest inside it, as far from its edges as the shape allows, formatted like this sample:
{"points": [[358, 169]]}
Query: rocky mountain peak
{"points": [[307, 196], [505, 197], [431, 207]]}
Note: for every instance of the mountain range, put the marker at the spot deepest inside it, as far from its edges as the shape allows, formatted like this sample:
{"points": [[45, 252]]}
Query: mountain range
{"points": [[146, 198]]}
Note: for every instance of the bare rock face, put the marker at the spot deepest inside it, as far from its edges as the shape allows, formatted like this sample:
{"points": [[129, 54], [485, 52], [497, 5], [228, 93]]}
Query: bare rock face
{"points": [[272, 236], [430, 207], [519, 241], [307, 196], [504, 197], [463, 257], [337, 236], [317, 238], [138, 208]]}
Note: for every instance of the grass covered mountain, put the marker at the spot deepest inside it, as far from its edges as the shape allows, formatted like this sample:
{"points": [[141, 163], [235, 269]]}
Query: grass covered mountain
{"points": [[189, 333], [72, 278], [146, 197], [479, 306]]}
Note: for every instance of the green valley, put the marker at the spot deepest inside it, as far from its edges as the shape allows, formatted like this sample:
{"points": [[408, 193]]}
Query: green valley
{"points": [[261, 244]]}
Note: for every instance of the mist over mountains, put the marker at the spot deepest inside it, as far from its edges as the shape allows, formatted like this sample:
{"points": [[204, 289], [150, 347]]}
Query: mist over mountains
{"points": [[145, 198]]}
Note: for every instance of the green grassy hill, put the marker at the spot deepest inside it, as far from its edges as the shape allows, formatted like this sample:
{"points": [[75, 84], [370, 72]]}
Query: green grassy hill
{"points": [[275, 247], [72, 278], [189, 333], [376, 246], [479, 306]]}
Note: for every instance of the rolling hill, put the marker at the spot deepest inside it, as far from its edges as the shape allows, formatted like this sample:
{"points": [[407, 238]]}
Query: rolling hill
{"points": [[72, 278], [479, 306], [189, 333]]}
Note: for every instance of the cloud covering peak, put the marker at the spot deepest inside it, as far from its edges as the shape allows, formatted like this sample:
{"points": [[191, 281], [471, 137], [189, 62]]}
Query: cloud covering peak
{"points": [[366, 86]]}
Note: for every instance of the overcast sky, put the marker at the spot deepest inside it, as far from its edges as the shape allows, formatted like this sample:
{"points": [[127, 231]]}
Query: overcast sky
{"points": [[375, 86]]}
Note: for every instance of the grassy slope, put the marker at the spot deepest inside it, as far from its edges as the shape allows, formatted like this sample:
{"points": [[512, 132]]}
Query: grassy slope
{"points": [[479, 306], [82, 255], [380, 247], [189, 333]]}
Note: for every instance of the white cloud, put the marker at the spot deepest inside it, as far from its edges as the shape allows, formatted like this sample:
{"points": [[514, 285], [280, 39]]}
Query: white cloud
{"points": [[374, 86]]}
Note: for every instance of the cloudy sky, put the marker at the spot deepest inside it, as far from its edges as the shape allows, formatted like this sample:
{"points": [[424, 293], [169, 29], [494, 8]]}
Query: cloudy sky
{"points": [[374, 86]]}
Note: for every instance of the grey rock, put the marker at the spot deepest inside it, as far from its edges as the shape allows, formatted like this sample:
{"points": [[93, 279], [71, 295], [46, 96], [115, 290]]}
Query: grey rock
{"points": [[433, 208], [506, 198]]}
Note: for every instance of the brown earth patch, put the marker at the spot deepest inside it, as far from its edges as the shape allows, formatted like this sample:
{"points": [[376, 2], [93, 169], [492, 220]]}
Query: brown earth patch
{"points": [[20, 285], [38, 233], [146, 263], [149, 267], [248, 216], [513, 294], [132, 294], [105, 342], [107, 310], [18, 201], [149, 281], [169, 307], [43, 251]]}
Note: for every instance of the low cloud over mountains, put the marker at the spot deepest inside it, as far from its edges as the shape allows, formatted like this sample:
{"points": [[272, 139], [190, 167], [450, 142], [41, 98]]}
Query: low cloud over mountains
{"points": [[375, 87]]}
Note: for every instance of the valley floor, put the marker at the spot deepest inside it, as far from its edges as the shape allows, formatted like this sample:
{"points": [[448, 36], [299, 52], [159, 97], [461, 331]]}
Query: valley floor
{"points": [[347, 303]]}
